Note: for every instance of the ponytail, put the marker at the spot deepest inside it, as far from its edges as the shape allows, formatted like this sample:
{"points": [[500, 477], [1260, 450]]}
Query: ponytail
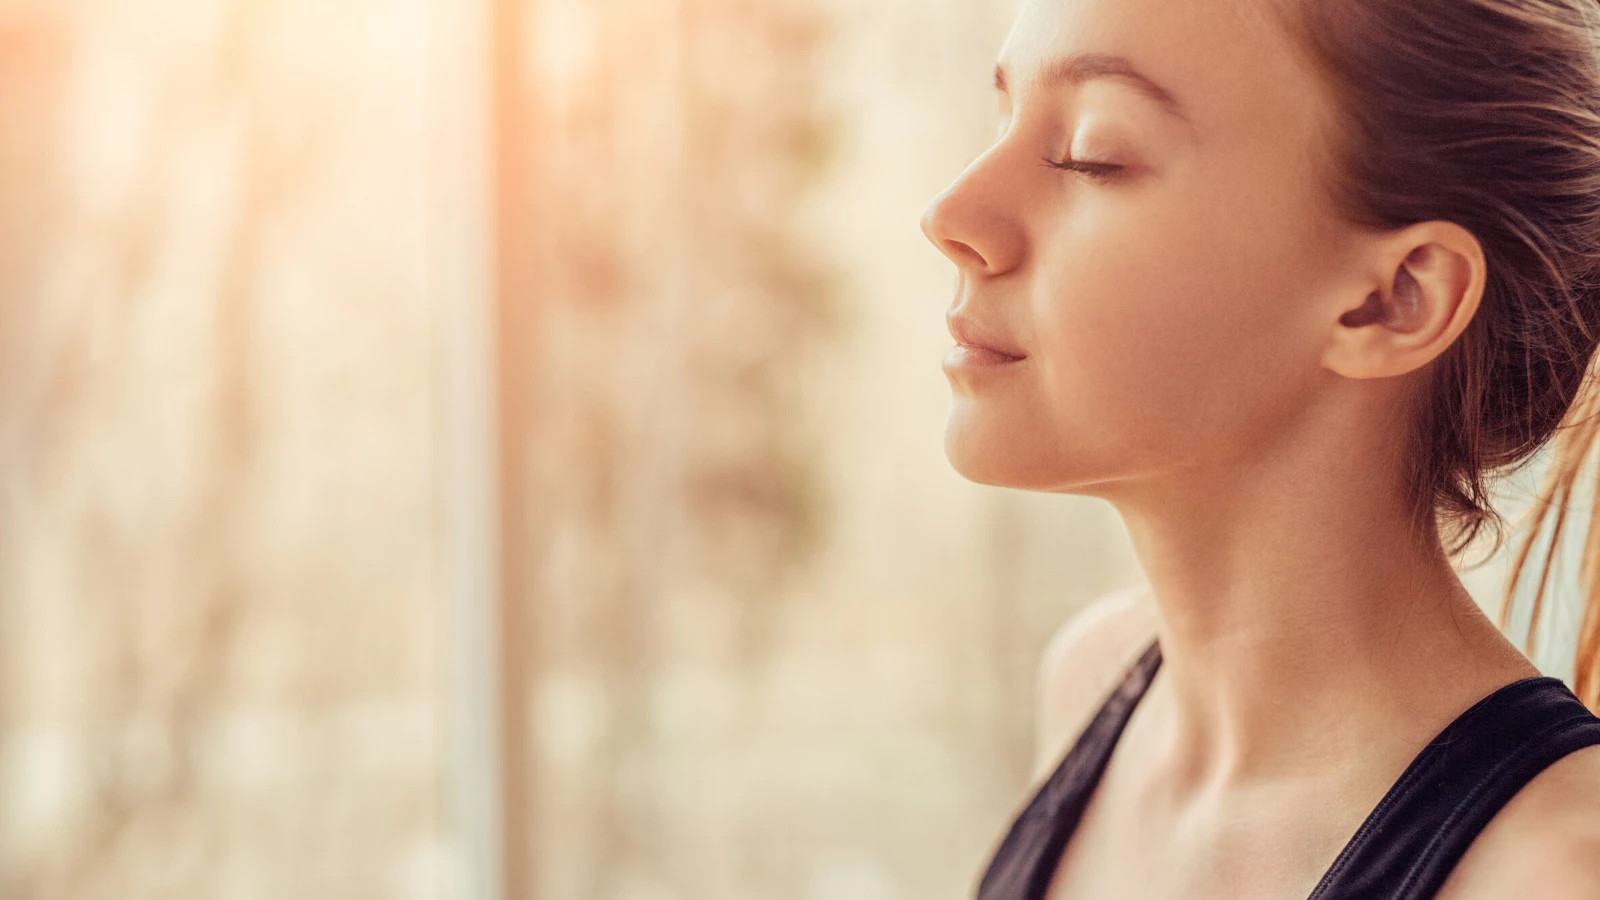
{"points": [[1573, 446]]}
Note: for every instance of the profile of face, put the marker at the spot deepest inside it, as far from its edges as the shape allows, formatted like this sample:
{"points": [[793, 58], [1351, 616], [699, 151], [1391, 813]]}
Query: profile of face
{"points": [[1145, 244]]}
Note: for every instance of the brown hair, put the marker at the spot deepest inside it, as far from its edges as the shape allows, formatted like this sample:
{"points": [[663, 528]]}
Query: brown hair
{"points": [[1485, 113]]}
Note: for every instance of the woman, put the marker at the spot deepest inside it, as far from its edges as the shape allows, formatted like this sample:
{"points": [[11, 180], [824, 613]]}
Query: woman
{"points": [[1285, 282]]}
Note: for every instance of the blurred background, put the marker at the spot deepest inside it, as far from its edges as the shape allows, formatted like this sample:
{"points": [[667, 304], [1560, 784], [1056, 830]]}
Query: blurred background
{"points": [[485, 449]]}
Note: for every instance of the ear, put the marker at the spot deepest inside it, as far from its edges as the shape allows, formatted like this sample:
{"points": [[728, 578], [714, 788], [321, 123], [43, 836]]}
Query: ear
{"points": [[1424, 287]]}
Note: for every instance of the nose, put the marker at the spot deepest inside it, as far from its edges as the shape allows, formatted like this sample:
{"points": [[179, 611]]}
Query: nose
{"points": [[973, 221]]}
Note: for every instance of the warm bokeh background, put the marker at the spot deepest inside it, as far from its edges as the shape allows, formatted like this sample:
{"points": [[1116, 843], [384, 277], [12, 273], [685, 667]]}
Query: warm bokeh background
{"points": [[291, 605]]}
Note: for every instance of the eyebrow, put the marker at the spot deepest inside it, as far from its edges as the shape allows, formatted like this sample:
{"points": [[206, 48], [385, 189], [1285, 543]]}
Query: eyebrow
{"points": [[1081, 67]]}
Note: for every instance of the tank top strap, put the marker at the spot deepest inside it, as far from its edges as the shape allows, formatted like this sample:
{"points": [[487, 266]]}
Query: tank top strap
{"points": [[1404, 849], [1421, 828], [1025, 861]]}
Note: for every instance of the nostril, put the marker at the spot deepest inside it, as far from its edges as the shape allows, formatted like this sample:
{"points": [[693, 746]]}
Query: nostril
{"points": [[963, 254], [957, 212]]}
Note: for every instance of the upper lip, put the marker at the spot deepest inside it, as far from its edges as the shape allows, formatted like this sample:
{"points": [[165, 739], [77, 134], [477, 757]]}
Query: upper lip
{"points": [[968, 331]]}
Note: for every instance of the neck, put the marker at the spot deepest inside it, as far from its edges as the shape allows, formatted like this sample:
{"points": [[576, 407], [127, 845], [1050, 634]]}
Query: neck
{"points": [[1303, 619]]}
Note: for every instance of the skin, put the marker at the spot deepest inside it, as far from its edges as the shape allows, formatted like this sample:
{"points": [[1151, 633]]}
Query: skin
{"points": [[1207, 346]]}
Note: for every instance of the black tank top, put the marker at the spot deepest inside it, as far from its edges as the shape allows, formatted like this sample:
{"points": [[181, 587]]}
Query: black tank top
{"points": [[1406, 846]]}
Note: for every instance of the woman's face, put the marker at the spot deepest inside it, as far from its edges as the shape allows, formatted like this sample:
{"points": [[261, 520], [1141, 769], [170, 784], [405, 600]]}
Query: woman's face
{"points": [[1162, 310]]}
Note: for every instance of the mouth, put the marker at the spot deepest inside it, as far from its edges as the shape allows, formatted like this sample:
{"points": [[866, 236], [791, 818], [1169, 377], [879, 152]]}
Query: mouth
{"points": [[976, 345], [975, 356]]}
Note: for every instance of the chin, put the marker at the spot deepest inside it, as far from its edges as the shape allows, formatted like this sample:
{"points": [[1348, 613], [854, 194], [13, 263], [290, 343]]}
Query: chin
{"points": [[989, 455]]}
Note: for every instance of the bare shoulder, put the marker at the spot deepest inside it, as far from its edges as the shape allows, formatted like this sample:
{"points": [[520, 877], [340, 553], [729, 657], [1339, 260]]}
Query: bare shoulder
{"points": [[1082, 662], [1544, 843]]}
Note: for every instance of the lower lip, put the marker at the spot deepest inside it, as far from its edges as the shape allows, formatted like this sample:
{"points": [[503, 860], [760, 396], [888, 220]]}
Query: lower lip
{"points": [[966, 356]]}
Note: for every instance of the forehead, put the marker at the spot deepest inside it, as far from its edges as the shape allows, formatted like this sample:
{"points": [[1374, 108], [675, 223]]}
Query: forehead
{"points": [[1230, 64]]}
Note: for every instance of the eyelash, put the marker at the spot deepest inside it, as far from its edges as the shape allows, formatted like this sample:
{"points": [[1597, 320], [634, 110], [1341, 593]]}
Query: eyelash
{"points": [[1095, 171]]}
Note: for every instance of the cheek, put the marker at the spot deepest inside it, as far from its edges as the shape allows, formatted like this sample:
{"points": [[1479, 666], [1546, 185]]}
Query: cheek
{"points": [[1173, 339]]}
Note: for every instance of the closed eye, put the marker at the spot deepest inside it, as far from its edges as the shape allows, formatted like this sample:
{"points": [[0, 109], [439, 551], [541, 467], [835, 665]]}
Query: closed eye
{"points": [[1096, 171]]}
